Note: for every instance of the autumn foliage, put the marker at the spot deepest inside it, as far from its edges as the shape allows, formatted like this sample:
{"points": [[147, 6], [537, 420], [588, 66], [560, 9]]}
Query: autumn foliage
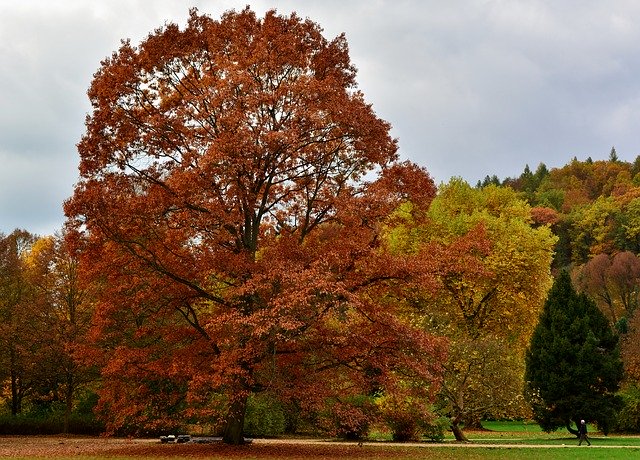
{"points": [[224, 215], [244, 241], [491, 288]]}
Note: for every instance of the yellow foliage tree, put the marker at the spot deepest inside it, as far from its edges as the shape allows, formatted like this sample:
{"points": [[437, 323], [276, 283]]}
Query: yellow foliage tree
{"points": [[64, 310], [488, 303]]}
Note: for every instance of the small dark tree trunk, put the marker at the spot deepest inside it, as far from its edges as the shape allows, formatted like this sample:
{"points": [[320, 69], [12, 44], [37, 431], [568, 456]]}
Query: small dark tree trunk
{"points": [[68, 402], [571, 430], [234, 428], [16, 397], [457, 431]]}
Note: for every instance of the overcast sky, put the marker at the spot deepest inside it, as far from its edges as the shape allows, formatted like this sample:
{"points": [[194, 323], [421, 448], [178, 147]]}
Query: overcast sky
{"points": [[471, 87]]}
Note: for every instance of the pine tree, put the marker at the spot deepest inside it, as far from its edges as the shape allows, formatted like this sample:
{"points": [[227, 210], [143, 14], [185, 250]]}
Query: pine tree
{"points": [[573, 365], [613, 155]]}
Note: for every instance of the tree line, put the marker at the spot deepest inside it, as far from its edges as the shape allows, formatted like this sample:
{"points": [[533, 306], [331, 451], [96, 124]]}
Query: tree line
{"points": [[243, 239], [592, 206]]}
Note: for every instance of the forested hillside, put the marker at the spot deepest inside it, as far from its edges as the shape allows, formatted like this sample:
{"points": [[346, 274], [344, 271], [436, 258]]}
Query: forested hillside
{"points": [[592, 206], [594, 209]]}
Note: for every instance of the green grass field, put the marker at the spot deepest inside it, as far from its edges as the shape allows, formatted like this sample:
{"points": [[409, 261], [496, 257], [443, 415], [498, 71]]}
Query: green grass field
{"points": [[525, 440], [531, 434]]}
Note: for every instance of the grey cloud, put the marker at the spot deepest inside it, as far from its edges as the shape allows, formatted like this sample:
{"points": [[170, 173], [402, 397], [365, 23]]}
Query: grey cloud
{"points": [[471, 87]]}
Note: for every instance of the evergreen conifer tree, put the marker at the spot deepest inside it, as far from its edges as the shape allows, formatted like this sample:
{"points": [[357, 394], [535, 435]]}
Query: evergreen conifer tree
{"points": [[613, 155], [573, 365]]}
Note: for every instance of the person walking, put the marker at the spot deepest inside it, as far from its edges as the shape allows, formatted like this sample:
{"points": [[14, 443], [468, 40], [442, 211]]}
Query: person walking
{"points": [[582, 432]]}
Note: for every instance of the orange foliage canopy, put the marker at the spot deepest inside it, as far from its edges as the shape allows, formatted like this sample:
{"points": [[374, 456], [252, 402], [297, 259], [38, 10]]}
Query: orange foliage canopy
{"points": [[223, 211]]}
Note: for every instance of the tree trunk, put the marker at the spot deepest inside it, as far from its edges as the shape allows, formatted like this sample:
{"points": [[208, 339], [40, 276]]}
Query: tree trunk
{"points": [[16, 402], [15, 396], [457, 431], [234, 428], [68, 402], [571, 430]]}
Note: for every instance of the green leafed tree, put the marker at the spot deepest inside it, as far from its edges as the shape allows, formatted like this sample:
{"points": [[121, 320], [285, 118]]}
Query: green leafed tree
{"points": [[573, 365]]}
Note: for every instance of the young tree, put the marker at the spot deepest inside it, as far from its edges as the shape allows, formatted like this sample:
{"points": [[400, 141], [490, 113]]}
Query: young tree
{"points": [[63, 313], [593, 228], [18, 329], [573, 365], [613, 155], [614, 282], [223, 213]]}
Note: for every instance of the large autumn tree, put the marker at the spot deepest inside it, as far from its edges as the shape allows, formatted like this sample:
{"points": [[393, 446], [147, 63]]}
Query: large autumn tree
{"points": [[614, 283], [223, 210], [489, 296]]}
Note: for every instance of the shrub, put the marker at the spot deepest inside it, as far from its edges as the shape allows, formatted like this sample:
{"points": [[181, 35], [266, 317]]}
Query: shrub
{"points": [[404, 422], [350, 418], [436, 428], [265, 416], [628, 419], [409, 419], [51, 423]]}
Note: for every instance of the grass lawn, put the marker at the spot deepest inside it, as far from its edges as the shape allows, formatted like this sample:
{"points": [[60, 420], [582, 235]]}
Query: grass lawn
{"points": [[333, 451], [531, 434]]}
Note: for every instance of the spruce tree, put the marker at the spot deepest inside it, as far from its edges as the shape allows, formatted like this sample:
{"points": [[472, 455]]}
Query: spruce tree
{"points": [[613, 155], [573, 365]]}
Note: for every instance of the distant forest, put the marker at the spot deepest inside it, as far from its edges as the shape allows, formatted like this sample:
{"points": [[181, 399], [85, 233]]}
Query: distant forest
{"points": [[592, 206]]}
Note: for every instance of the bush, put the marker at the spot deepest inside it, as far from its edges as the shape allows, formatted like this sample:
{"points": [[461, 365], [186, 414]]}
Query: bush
{"points": [[350, 418], [405, 424], [265, 416], [87, 402], [628, 419], [410, 419], [52, 423], [435, 429]]}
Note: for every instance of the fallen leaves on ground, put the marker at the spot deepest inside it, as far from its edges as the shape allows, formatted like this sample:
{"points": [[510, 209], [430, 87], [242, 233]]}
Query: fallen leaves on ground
{"points": [[65, 447]]}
